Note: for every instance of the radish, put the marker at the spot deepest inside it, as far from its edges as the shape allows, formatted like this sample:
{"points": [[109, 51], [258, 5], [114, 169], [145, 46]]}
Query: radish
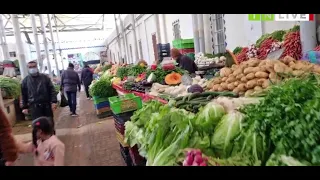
{"points": [[203, 164], [205, 159], [198, 152], [185, 163], [198, 159], [195, 164], [189, 160]]}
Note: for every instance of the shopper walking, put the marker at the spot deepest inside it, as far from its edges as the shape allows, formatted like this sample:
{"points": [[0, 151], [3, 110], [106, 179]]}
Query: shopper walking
{"points": [[86, 79], [38, 94], [8, 148], [69, 82]]}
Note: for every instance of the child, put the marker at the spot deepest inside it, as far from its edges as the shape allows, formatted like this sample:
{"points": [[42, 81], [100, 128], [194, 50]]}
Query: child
{"points": [[47, 148]]}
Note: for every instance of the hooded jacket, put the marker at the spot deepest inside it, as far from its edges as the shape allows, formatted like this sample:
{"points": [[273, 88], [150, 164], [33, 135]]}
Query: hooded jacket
{"points": [[70, 80], [86, 76]]}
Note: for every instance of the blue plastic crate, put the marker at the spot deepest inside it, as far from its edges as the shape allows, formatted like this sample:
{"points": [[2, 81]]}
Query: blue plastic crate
{"points": [[102, 105]]}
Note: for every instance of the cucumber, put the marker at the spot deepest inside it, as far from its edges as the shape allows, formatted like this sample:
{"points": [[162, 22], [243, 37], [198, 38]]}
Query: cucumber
{"points": [[189, 108], [184, 106], [199, 99], [194, 95], [178, 98], [198, 102], [184, 99], [210, 97], [179, 103]]}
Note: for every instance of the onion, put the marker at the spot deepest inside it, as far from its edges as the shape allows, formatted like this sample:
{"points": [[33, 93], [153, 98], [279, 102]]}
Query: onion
{"points": [[198, 159], [185, 163], [203, 164], [189, 160], [195, 164]]}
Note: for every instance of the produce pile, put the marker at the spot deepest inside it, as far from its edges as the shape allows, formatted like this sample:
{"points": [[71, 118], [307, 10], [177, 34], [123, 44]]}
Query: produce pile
{"points": [[102, 88], [160, 73], [253, 76], [162, 132], [135, 70], [267, 43], [280, 129], [206, 59], [10, 87]]}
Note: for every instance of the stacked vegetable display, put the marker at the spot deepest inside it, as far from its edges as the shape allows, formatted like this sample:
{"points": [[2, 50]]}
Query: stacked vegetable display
{"points": [[10, 87], [255, 75]]}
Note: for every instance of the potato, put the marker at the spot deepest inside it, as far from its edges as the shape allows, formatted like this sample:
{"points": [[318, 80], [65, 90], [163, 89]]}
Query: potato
{"points": [[265, 84], [316, 69], [280, 68], [236, 90], [239, 76], [253, 62], [236, 83], [286, 60], [234, 67], [217, 80], [292, 64], [224, 85], [231, 78], [216, 87], [242, 87], [224, 79], [248, 93], [263, 68], [251, 84], [231, 86], [257, 88], [237, 71], [248, 70], [244, 79], [224, 72], [262, 63], [220, 89], [273, 75], [250, 76], [261, 74], [297, 72], [261, 81]]}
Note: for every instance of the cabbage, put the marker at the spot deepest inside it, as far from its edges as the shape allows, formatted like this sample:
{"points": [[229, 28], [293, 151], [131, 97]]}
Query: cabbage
{"points": [[226, 131], [209, 116]]}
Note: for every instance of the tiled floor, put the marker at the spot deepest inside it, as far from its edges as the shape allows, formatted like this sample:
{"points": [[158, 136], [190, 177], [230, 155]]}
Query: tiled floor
{"points": [[89, 141]]}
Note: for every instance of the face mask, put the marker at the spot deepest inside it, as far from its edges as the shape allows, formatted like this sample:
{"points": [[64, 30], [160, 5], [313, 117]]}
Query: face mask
{"points": [[33, 71]]}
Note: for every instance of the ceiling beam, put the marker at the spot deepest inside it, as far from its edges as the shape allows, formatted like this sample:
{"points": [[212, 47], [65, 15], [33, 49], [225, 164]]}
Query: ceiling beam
{"points": [[78, 30]]}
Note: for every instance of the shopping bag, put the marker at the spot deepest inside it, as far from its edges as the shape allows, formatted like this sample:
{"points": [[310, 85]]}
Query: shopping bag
{"points": [[64, 101]]}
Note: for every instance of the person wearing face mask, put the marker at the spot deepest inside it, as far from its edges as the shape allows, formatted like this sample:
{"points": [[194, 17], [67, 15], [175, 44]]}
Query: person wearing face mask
{"points": [[38, 94], [184, 61]]}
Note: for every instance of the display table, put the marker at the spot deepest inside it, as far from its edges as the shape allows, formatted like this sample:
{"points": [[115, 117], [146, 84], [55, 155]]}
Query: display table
{"points": [[143, 96]]}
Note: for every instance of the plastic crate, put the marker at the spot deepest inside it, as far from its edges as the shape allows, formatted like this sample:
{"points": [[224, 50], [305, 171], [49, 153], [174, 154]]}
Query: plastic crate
{"points": [[103, 110], [186, 51], [104, 115], [120, 139], [123, 117], [97, 100], [191, 55], [102, 105], [137, 160], [183, 43], [126, 156], [125, 103]]}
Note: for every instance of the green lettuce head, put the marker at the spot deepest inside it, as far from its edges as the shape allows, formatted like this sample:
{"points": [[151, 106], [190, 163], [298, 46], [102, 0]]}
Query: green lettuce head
{"points": [[209, 116]]}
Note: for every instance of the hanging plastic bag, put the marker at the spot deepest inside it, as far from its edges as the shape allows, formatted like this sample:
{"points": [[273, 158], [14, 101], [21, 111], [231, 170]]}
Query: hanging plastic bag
{"points": [[64, 101], [312, 56]]}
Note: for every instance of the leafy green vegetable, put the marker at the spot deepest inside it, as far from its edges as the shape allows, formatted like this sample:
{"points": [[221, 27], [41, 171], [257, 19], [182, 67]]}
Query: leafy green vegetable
{"points": [[122, 72], [278, 35], [237, 50], [209, 116], [130, 71], [226, 131], [261, 39], [10, 86], [102, 88], [160, 74]]}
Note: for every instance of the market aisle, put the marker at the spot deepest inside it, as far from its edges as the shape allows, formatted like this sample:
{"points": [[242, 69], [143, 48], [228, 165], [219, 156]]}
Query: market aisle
{"points": [[89, 141]]}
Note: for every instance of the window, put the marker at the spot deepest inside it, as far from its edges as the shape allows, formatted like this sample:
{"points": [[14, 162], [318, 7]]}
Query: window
{"points": [[131, 55], [218, 33], [140, 49], [176, 29], [13, 54]]}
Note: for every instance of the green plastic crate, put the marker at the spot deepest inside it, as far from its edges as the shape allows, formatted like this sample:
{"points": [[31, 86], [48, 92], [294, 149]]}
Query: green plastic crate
{"points": [[191, 55], [183, 43], [98, 100], [125, 103]]}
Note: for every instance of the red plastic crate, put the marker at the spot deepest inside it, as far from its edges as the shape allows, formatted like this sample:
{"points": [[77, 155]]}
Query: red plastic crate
{"points": [[137, 160], [186, 51]]}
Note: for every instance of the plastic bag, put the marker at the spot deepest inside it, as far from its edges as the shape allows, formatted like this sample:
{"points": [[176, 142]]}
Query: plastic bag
{"points": [[64, 101], [312, 56]]}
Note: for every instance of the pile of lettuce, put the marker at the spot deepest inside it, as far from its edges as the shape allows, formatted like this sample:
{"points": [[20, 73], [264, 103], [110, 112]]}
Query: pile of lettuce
{"points": [[162, 132]]}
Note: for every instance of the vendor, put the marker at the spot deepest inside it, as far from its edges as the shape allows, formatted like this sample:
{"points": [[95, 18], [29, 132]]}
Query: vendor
{"points": [[184, 61]]}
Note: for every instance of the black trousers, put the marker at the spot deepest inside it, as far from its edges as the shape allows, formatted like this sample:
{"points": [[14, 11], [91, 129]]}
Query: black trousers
{"points": [[86, 88], [72, 101], [40, 110]]}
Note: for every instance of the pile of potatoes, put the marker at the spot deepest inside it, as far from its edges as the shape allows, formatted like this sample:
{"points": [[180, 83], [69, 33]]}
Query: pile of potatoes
{"points": [[256, 75]]}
